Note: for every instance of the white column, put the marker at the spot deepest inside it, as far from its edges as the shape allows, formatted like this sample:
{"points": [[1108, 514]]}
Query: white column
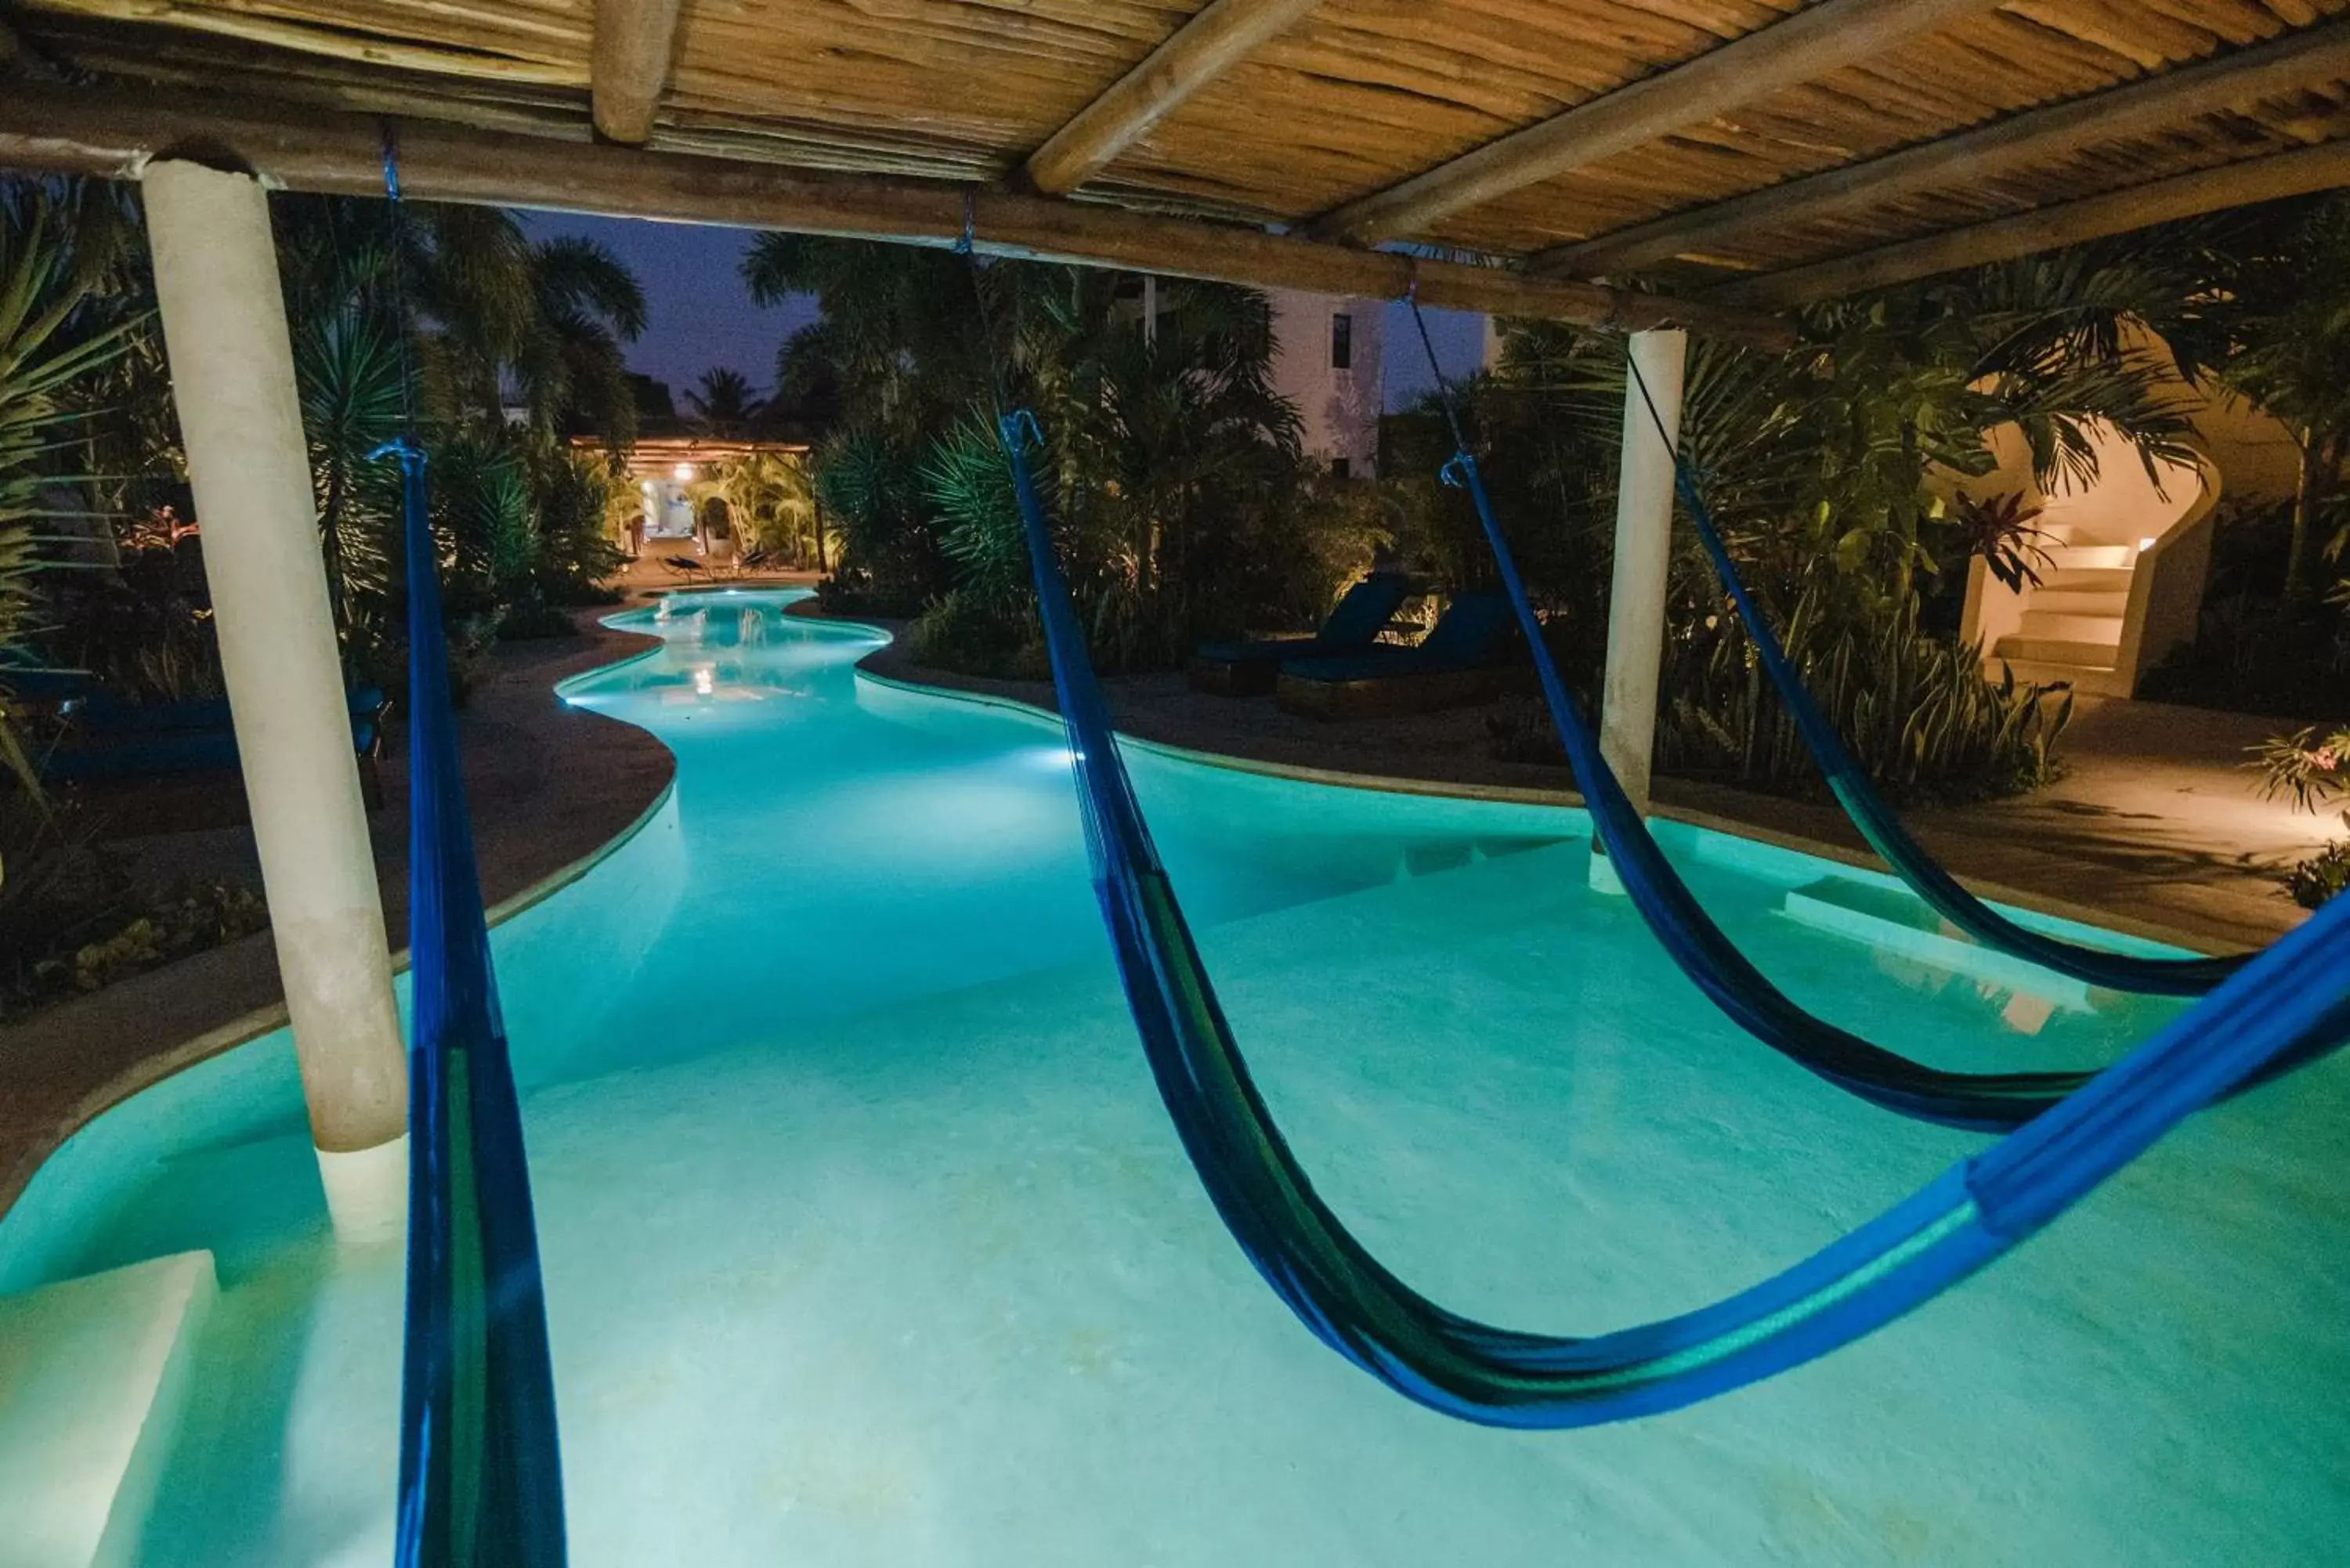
{"points": [[1644, 535], [232, 368]]}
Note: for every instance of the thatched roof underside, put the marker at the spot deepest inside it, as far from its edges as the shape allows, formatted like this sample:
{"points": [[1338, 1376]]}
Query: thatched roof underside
{"points": [[1350, 99]]}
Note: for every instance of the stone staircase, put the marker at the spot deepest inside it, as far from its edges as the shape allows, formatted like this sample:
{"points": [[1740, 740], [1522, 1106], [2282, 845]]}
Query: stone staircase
{"points": [[2073, 620]]}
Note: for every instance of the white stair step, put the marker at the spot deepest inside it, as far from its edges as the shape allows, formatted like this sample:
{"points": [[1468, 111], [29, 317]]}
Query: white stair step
{"points": [[1891, 920], [93, 1382], [2068, 601], [2086, 580], [2056, 650], [2093, 557], [2060, 627]]}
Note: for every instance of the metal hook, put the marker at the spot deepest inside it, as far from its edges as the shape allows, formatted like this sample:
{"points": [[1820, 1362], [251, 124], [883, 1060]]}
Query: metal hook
{"points": [[390, 161]]}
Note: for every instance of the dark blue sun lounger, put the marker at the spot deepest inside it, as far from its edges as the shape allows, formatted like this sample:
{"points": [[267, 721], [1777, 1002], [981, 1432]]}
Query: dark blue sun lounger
{"points": [[1458, 663], [1250, 669]]}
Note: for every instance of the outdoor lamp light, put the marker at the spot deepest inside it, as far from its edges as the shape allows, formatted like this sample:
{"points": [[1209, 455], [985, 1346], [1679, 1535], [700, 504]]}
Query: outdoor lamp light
{"points": [[684, 473]]}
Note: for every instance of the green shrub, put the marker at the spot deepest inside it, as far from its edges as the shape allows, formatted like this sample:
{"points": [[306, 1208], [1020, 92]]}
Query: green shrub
{"points": [[2323, 875], [969, 635], [531, 619], [1914, 710]]}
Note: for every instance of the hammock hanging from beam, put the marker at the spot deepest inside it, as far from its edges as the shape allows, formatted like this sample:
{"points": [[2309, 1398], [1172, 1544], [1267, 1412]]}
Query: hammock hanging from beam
{"points": [[2283, 1006], [1991, 1102], [481, 1482], [1877, 822]]}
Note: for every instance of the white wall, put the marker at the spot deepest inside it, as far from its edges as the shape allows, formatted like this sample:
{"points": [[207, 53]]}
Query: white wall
{"points": [[1341, 409]]}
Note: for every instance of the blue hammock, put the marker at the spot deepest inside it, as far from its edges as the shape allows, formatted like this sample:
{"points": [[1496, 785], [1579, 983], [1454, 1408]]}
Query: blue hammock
{"points": [[481, 1482], [2292, 997], [1883, 829]]}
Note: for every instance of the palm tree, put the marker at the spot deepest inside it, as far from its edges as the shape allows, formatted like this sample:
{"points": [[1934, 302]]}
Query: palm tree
{"points": [[722, 401], [492, 310]]}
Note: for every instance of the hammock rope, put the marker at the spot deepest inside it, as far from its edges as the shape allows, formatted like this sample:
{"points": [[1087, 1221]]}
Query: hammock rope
{"points": [[1877, 822], [480, 1474], [2296, 995]]}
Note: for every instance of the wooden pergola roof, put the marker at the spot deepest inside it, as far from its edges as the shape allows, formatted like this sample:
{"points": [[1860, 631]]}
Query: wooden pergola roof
{"points": [[1761, 151]]}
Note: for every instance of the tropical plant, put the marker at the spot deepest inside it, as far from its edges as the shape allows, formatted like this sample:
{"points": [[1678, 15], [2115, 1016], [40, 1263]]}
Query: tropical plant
{"points": [[41, 358], [48, 346], [2310, 767], [1170, 467], [2276, 328], [772, 503], [1913, 709], [1999, 528], [2321, 876]]}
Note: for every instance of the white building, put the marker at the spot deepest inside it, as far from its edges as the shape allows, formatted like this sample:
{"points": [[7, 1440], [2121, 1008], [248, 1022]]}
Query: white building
{"points": [[1326, 360]]}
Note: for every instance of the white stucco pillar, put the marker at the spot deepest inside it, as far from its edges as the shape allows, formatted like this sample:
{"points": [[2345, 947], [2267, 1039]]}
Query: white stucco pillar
{"points": [[1644, 537], [232, 367]]}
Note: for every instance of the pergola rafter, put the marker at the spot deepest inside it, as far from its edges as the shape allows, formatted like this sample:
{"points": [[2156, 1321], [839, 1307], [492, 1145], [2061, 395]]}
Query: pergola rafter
{"points": [[1806, 46], [1267, 141], [1199, 51], [635, 41], [2143, 108], [77, 130]]}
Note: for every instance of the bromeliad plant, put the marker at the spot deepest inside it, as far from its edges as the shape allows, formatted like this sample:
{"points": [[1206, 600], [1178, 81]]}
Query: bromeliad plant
{"points": [[1999, 528]]}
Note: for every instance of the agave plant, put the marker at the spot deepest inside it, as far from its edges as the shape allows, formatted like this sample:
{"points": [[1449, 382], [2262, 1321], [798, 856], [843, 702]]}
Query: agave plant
{"points": [[40, 358]]}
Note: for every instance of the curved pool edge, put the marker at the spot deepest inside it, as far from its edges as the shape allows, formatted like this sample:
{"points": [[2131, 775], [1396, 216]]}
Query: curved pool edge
{"points": [[2024, 900], [166, 1061]]}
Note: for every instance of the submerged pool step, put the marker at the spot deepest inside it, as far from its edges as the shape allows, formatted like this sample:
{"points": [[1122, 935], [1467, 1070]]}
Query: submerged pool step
{"points": [[1891, 920], [93, 1382]]}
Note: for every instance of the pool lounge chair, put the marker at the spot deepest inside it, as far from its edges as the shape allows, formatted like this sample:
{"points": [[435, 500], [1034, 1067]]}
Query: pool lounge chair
{"points": [[1251, 668], [111, 739], [1457, 663]]}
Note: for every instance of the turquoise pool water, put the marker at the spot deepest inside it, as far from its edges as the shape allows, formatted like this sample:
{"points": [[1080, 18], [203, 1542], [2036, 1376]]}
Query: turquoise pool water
{"points": [[867, 1241]]}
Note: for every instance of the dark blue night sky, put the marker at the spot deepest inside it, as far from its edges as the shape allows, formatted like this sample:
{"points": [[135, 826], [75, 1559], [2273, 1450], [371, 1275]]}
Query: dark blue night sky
{"points": [[698, 316]]}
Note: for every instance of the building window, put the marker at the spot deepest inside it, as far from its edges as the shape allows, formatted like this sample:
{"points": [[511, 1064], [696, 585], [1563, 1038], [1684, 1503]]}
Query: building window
{"points": [[1342, 341], [1341, 468]]}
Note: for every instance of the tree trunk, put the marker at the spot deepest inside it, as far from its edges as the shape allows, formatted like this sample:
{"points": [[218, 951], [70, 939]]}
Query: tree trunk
{"points": [[2306, 495]]}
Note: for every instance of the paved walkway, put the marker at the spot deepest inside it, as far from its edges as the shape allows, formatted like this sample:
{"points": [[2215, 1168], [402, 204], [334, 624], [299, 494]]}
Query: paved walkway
{"points": [[2156, 828]]}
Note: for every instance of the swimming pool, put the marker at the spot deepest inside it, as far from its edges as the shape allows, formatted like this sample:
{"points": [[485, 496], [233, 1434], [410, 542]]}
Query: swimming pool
{"points": [[868, 1242]]}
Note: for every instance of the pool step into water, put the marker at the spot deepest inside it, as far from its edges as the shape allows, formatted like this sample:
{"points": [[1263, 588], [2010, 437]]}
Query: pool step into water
{"points": [[1890, 920], [94, 1377]]}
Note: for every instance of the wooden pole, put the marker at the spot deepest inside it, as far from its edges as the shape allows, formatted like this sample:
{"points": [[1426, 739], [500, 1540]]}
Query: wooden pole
{"points": [[634, 42], [1815, 41], [1200, 50], [2035, 137], [112, 134], [2239, 184]]}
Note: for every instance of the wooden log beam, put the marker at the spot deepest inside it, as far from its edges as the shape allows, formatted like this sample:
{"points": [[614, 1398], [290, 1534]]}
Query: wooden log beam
{"points": [[113, 134], [2036, 137], [1815, 41], [1200, 50], [635, 40], [2237, 184]]}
